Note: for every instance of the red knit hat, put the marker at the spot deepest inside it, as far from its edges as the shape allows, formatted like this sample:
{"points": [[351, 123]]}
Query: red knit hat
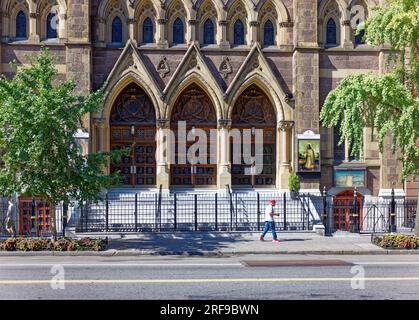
{"points": [[272, 202]]}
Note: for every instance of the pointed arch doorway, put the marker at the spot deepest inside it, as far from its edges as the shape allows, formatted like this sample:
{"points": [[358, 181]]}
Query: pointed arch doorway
{"points": [[133, 125], [253, 110], [195, 108]]}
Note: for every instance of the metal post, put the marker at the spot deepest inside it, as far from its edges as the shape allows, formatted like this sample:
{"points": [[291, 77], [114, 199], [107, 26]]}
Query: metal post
{"points": [[196, 212], [324, 195], [285, 211], [355, 214], [33, 216], [107, 212], [392, 226], [65, 214], [175, 211], [258, 210], [136, 212], [216, 211]]}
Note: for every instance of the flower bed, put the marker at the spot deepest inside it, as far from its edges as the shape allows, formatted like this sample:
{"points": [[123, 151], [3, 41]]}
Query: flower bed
{"points": [[46, 244], [396, 241]]}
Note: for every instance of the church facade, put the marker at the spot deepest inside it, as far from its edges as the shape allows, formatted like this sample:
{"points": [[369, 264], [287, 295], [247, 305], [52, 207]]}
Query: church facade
{"points": [[219, 65]]}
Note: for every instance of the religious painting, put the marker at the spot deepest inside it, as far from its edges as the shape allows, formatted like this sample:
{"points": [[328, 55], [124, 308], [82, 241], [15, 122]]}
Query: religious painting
{"points": [[308, 155], [350, 178]]}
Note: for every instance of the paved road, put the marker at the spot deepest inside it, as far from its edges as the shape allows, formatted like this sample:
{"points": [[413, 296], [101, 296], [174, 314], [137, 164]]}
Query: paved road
{"points": [[238, 277]]}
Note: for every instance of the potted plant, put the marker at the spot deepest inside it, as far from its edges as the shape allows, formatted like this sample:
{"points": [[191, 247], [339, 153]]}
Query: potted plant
{"points": [[294, 184]]}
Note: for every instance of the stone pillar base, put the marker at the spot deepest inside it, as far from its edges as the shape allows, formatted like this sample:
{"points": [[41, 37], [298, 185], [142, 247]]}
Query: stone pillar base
{"points": [[283, 176], [163, 44], [224, 177], [163, 176], [225, 45]]}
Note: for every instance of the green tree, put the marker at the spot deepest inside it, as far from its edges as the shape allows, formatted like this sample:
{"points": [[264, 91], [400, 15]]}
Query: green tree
{"points": [[384, 103], [39, 116]]}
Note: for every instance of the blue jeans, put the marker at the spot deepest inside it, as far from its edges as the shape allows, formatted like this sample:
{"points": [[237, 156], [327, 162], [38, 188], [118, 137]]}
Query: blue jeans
{"points": [[269, 225]]}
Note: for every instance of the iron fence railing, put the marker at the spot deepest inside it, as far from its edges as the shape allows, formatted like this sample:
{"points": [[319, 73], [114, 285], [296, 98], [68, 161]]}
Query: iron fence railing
{"points": [[180, 211]]}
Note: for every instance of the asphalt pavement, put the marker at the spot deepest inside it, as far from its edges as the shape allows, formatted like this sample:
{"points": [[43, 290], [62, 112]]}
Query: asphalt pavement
{"points": [[250, 277]]}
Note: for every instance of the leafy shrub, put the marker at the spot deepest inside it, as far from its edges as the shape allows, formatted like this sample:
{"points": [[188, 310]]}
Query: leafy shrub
{"points": [[294, 182], [61, 244], [397, 241], [8, 244]]}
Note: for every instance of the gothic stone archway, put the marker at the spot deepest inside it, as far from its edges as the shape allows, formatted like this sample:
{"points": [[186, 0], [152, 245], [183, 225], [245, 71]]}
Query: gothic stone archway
{"points": [[195, 108], [253, 109], [133, 125]]}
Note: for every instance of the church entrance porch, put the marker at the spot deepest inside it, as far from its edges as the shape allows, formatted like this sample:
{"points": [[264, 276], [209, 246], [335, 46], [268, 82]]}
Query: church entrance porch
{"points": [[133, 126]]}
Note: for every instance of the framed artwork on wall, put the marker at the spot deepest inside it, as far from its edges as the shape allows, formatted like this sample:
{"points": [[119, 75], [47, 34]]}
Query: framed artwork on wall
{"points": [[308, 145]]}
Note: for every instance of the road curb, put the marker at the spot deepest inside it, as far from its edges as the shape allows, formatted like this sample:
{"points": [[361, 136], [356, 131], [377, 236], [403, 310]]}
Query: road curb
{"points": [[130, 253]]}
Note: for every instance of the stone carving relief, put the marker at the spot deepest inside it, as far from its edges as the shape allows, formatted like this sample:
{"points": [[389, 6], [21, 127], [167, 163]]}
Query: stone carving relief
{"points": [[163, 67], [225, 67]]}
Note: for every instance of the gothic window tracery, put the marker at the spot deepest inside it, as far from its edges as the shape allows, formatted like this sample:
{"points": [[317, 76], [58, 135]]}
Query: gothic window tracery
{"points": [[147, 31], [133, 106], [21, 28], [117, 30], [268, 34], [51, 27], [238, 33], [208, 32], [331, 32], [178, 31]]}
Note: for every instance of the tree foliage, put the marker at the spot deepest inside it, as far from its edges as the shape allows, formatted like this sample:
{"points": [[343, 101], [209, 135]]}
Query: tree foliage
{"points": [[397, 24], [39, 117], [385, 103]]}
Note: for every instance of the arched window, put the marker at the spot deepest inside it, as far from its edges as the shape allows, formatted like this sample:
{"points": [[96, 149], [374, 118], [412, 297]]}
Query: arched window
{"points": [[331, 32], [208, 32], [268, 34], [148, 31], [52, 24], [238, 32], [21, 25], [178, 33], [117, 30]]}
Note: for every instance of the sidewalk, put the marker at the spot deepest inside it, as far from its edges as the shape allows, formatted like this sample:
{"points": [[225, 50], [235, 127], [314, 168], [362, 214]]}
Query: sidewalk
{"points": [[234, 243]]}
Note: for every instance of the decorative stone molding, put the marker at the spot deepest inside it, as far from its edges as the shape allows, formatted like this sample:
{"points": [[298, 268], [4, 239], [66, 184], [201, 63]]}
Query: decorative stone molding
{"points": [[346, 23], [163, 123], [225, 67], [224, 123], [254, 23], [33, 15], [286, 125], [161, 21], [286, 24], [193, 62], [131, 3], [131, 21], [163, 67], [223, 22], [193, 22]]}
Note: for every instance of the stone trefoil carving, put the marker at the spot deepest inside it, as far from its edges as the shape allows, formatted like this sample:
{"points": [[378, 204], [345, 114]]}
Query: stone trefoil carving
{"points": [[225, 67], [163, 67]]}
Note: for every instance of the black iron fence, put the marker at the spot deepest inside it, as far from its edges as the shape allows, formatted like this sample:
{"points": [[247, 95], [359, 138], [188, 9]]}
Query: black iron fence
{"points": [[227, 211], [377, 216]]}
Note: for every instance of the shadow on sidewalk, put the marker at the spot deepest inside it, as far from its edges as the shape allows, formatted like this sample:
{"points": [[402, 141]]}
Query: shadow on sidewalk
{"points": [[188, 242]]}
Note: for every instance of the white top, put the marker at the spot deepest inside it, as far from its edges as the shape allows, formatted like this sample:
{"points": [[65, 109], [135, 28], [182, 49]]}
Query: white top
{"points": [[269, 210]]}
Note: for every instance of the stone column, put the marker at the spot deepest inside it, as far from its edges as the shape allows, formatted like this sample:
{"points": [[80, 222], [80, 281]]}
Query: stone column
{"points": [[163, 140], [345, 35], [192, 31], [224, 43], [285, 28], [162, 41], [131, 29], [33, 27], [285, 131], [4, 27], [62, 22], [253, 31], [224, 174], [306, 78], [78, 48]]}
